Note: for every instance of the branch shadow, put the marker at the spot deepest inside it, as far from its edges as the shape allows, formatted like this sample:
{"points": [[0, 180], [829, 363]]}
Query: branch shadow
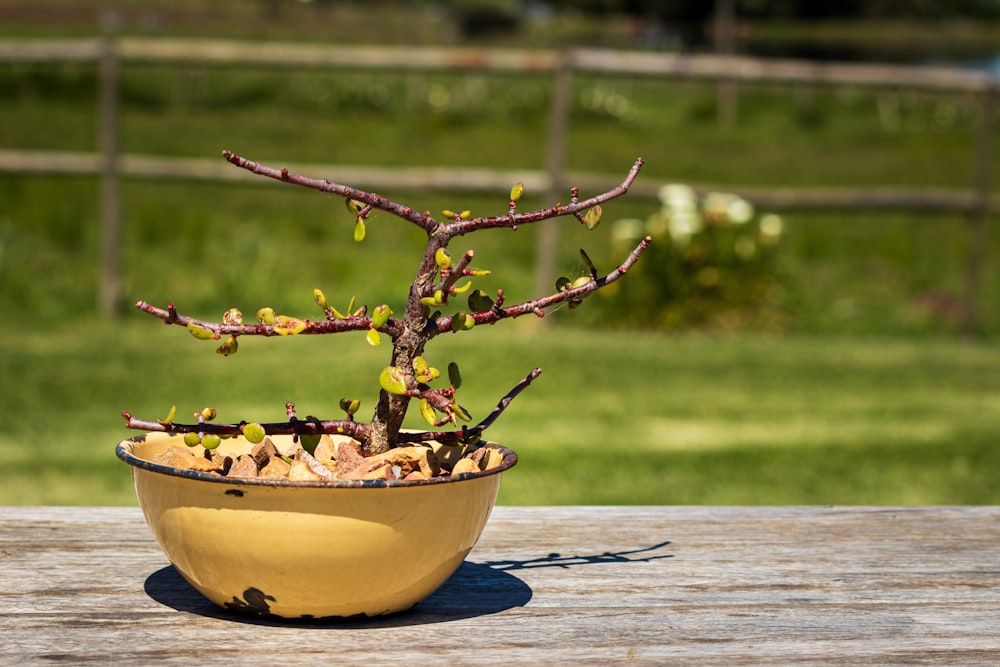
{"points": [[558, 560], [476, 589]]}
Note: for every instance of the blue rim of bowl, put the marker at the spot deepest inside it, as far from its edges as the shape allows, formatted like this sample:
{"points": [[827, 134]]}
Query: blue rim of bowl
{"points": [[124, 452]]}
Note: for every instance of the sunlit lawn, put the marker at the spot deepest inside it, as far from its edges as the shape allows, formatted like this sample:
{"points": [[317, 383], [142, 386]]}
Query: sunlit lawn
{"points": [[615, 418]]}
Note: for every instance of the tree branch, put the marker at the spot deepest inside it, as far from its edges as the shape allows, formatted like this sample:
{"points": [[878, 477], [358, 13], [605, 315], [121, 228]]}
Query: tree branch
{"points": [[351, 323], [357, 430], [476, 431], [514, 220], [536, 306], [422, 220]]}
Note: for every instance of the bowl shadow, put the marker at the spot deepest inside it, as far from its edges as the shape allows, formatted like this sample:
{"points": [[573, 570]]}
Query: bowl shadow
{"points": [[474, 590]]}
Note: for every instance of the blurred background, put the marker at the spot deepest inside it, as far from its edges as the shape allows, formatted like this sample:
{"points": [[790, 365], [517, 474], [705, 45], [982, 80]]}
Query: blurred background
{"points": [[816, 322]]}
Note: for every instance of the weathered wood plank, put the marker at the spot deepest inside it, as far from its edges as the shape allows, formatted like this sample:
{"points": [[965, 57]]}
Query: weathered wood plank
{"points": [[598, 585]]}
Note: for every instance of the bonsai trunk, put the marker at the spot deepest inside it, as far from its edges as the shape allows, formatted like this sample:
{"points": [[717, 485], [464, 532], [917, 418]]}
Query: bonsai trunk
{"points": [[391, 408]]}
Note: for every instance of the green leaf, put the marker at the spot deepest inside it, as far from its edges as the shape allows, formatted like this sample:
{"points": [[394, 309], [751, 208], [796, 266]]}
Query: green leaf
{"points": [[254, 432], [454, 375], [373, 337], [289, 326], [516, 191], [266, 316], [393, 380], [200, 332], [310, 441], [228, 347], [423, 371], [592, 217], [233, 316], [359, 230], [442, 259], [170, 416], [436, 300], [350, 405], [462, 321], [381, 316], [427, 412], [588, 262], [479, 301]]}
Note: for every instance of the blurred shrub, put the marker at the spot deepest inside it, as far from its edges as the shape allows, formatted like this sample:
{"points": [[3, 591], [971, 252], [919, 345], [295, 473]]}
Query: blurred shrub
{"points": [[712, 265]]}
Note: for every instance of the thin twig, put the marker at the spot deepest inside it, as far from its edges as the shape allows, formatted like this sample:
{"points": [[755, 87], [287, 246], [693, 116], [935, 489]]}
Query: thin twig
{"points": [[537, 306], [475, 431], [514, 220], [356, 430], [338, 325], [422, 220]]}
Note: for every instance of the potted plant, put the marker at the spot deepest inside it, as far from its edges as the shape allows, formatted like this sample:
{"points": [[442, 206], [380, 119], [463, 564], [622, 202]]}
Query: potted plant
{"points": [[311, 517]]}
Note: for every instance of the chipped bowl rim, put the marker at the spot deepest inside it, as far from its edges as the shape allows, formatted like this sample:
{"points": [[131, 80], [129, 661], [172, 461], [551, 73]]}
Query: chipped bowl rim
{"points": [[124, 451]]}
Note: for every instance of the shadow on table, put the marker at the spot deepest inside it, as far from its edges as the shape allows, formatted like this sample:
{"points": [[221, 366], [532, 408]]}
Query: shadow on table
{"points": [[643, 555], [476, 589]]}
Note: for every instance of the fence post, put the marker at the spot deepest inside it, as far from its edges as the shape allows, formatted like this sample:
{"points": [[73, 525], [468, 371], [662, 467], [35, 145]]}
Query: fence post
{"points": [[109, 296], [980, 214], [548, 234], [724, 42]]}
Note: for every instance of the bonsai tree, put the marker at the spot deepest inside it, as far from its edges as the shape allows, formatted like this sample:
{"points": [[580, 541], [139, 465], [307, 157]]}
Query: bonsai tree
{"points": [[441, 300]]}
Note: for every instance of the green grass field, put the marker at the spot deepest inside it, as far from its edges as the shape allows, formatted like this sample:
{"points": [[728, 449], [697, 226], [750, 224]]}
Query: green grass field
{"points": [[614, 418], [847, 271], [865, 396]]}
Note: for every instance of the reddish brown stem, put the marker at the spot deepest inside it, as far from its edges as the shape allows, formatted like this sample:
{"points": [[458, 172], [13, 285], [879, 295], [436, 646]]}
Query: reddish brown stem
{"points": [[538, 306]]}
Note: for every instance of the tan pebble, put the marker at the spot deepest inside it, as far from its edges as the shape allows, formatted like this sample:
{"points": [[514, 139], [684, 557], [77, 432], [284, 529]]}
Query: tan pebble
{"points": [[275, 467], [244, 466], [300, 472], [348, 458], [384, 471], [263, 451], [223, 461], [325, 449], [175, 457]]}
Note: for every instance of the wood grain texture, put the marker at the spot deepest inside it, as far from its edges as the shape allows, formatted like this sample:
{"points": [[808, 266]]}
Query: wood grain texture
{"points": [[548, 585]]}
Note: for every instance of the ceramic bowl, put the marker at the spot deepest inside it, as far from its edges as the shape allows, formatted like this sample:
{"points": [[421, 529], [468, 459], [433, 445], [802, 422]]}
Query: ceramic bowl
{"points": [[310, 549]]}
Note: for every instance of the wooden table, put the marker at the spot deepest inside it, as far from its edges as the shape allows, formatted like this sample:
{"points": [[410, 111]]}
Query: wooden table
{"points": [[547, 585]]}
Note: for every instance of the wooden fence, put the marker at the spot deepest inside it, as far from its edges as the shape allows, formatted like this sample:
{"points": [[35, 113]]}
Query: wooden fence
{"points": [[108, 53]]}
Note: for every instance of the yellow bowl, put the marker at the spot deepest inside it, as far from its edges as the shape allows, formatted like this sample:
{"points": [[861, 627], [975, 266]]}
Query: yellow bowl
{"points": [[310, 549]]}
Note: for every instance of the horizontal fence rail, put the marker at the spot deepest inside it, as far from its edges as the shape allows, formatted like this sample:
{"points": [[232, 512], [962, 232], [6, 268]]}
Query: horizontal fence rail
{"points": [[160, 167], [978, 201], [664, 65]]}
